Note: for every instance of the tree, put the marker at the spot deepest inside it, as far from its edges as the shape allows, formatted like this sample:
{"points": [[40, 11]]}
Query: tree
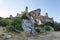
{"points": [[57, 26], [3, 22]]}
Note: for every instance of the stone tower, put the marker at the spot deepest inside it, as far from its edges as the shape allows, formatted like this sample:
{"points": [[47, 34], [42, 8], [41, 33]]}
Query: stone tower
{"points": [[11, 16], [18, 15], [46, 14], [26, 9]]}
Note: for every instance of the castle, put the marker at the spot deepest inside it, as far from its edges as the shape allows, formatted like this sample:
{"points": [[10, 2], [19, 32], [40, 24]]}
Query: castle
{"points": [[36, 16]]}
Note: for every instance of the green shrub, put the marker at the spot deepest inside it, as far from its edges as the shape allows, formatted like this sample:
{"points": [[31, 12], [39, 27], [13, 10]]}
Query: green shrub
{"points": [[43, 26], [47, 28], [18, 27], [3, 22], [57, 26], [10, 28], [16, 23]]}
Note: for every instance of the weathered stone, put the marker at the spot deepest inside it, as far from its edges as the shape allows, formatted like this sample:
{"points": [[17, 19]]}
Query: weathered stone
{"points": [[28, 26]]}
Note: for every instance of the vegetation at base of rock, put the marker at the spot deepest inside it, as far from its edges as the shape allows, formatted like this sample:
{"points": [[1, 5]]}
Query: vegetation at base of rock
{"points": [[57, 26], [14, 24], [46, 27], [3, 22]]}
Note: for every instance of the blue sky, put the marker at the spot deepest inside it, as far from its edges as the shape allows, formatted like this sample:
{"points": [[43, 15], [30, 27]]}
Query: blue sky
{"points": [[52, 7]]}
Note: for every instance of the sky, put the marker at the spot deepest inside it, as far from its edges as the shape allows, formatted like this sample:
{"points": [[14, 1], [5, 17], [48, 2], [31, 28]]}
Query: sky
{"points": [[52, 7]]}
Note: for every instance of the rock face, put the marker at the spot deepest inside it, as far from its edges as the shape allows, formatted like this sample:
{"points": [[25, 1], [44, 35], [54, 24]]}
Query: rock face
{"points": [[28, 26]]}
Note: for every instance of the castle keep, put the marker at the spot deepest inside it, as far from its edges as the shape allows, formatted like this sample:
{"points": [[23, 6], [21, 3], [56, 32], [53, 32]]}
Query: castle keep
{"points": [[36, 16]]}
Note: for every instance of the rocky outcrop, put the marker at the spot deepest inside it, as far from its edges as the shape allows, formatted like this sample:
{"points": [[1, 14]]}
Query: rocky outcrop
{"points": [[28, 26]]}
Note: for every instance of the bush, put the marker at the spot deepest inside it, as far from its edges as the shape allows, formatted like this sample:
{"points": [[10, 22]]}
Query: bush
{"points": [[16, 23], [47, 28], [18, 27], [57, 26], [10, 28], [44, 26], [3, 22], [49, 23]]}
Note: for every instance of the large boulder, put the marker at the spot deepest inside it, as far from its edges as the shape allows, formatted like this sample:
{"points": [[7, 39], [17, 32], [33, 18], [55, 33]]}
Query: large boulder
{"points": [[28, 26]]}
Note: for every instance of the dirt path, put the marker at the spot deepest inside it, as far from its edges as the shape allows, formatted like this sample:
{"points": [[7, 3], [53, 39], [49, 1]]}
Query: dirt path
{"points": [[2, 30], [52, 36]]}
